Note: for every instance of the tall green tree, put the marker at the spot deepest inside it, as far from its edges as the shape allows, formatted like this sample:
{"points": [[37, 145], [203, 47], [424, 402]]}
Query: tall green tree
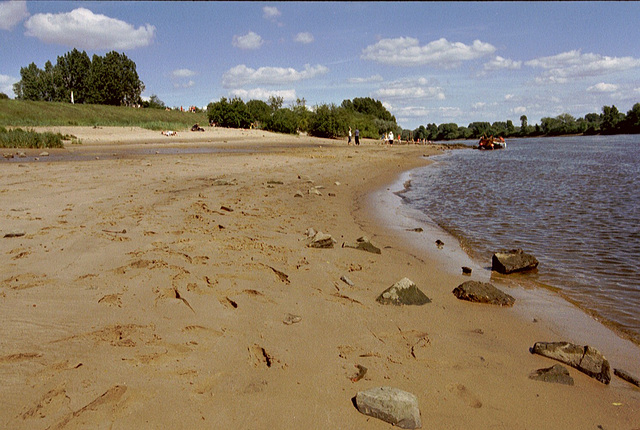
{"points": [[74, 70]]}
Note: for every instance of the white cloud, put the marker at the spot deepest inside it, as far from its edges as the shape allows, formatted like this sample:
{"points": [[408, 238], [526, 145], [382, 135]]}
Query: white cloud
{"points": [[411, 88], [270, 12], [12, 13], [519, 109], [406, 51], [499, 63], [262, 94], [250, 40], [83, 29], [573, 64], [187, 84], [372, 78], [6, 84], [508, 96], [304, 38], [183, 73], [242, 75], [479, 105], [603, 88]]}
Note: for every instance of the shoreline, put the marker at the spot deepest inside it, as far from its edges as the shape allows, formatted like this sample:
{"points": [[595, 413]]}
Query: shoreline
{"points": [[550, 302], [177, 290]]}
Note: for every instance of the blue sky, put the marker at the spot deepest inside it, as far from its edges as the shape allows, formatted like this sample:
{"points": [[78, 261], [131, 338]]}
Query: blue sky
{"points": [[427, 62]]}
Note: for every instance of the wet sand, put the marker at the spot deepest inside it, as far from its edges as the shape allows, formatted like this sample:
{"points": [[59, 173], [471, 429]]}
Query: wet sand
{"points": [[156, 288]]}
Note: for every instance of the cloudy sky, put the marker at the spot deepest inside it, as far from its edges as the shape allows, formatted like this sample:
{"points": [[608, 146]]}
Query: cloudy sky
{"points": [[428, 62]]}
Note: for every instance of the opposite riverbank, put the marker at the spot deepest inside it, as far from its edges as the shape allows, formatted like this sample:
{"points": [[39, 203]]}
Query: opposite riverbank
{"points": [[166, 282]]}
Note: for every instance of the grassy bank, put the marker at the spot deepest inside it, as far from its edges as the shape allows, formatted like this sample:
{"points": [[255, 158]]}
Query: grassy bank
{"points": [[19, 113]]}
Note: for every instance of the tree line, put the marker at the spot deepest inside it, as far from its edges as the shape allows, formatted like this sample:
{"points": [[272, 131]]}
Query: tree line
{"points": [[610, 121], [108, 80], [367, 115]]}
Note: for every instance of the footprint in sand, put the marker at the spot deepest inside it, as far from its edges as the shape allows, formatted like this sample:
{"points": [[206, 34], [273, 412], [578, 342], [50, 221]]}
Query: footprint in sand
{"points": [[466, 396], [50, 403]]}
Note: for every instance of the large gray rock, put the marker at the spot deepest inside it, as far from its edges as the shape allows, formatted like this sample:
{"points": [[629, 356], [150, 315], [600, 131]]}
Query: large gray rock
{"points": [[586, 359], [392, 405], [482, 292], [403, 292], [557, 374], [515, 260], [363, 243]]}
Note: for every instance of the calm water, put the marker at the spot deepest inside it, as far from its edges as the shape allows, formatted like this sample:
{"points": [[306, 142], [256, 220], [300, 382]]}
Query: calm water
{"points": [[573, 202]]}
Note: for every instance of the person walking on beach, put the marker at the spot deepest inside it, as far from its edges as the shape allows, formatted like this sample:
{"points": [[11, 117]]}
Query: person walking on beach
{"points": [[357, 137], [349, 142], [391, 138]]}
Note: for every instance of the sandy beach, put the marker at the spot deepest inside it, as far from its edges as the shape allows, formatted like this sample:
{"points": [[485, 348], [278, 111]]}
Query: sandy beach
{"points": [[166, 282]]}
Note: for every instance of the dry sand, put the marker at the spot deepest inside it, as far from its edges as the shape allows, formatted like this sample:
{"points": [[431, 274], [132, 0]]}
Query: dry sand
{"points": [[153, 289]]}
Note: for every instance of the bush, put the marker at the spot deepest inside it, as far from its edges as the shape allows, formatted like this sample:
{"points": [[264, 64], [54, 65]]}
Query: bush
{"points": [[19, 138], [283, 121]]}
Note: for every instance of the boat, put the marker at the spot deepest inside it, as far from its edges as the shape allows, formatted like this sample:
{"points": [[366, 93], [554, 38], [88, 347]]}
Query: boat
{"points": [[492, 143]]}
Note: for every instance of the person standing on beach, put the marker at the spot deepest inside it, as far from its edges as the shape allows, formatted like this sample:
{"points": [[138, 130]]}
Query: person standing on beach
{"points": [[391, 138], [349, 142], [357, 137]]}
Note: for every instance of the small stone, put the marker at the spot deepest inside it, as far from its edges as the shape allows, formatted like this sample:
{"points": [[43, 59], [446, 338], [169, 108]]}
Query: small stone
{"points": [[515, 260], [298, 194], [346, 281], [466, 270], [397, 407], [321, 240], [292, 319], [439, 244]]}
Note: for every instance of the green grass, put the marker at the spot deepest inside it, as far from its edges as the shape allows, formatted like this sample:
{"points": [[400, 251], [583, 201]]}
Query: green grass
{"points": [[21, 113], [19, 138]]}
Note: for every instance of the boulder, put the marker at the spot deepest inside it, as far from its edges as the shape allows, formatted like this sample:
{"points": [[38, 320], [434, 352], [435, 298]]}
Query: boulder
{"points": [[482, 292], [397, 407], [403, 292], [363, 243], [586, 359], [515, 260], [556, 373]]}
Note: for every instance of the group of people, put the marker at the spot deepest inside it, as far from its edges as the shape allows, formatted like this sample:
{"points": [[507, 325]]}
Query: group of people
{"points": [[357, 137]]}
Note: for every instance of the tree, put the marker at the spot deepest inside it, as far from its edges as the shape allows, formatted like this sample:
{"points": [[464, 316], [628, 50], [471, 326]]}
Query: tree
{"points": [[154, 103], [610, 119], [28, 87], [303, 116], [275, 102], [232, 114], [74, 69], [283, 121], [3, 96], [329, 121], [259, 111], [631, 123], [523, 123]]}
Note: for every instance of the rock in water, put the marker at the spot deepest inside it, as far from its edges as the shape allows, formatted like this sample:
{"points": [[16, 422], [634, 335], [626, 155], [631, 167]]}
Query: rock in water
{"points": [[515, 260], [482, 292], [397, 407], [557, 373], [586, 359], [403, 292]]}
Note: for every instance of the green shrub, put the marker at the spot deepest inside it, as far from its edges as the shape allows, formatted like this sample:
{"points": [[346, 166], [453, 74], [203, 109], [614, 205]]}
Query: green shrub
{"points": [[18, 138]]}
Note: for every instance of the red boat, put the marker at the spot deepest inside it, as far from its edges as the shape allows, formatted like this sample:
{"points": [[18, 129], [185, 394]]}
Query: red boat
{"points": [[492, 143]]}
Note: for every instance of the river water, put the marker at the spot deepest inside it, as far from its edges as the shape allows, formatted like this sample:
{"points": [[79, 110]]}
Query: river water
{"points": [[573, 202]]}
